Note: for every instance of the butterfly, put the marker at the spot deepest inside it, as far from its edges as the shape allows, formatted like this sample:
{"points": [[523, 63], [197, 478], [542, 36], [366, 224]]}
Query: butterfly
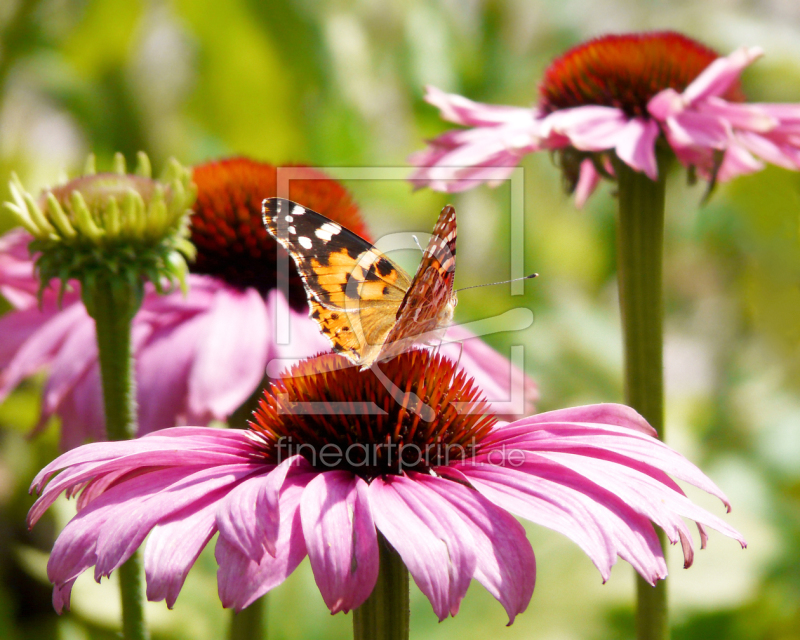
{"points": [[365, 304]]}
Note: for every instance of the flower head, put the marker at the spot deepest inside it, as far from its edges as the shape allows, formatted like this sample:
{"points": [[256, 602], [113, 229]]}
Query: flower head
{"points": [[618, 97], [200, 356], [335, 455], [130, 225]]}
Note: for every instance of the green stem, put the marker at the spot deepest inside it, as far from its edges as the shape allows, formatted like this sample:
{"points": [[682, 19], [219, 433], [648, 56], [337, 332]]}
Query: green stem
{"points": [[640, 250], [250, 623], [113, 304], [384, 616]]}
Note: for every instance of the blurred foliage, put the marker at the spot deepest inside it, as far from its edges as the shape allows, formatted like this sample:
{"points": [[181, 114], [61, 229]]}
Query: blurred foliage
{"points": [[340, 84]]}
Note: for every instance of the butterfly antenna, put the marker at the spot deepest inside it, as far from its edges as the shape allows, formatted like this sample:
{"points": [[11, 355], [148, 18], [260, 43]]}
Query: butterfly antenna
{"points": [[491, 284]]}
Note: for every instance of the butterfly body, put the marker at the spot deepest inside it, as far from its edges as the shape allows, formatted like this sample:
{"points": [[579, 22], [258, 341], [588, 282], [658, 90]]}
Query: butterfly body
{"points": [[366, 305]]}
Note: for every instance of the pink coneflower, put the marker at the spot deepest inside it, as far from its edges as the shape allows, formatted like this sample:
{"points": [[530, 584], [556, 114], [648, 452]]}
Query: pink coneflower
{"points": [[626, 95], [331, 461], [199, 356]]}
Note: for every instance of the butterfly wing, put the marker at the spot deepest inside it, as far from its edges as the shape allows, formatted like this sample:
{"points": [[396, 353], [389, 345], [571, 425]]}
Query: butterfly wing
{"points": [[429, 302], [354, 291]]}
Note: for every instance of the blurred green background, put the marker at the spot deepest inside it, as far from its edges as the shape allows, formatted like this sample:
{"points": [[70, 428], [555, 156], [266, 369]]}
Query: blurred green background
{"points": [[340, 84]]}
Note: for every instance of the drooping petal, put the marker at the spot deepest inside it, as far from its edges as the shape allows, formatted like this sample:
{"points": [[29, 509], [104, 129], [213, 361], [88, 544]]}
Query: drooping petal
{"points": [[636, 146], [173, 547], [435, 544], [39, 349], [506, 566], [120, 536], [588, 180], [599, 439], [241, 580], [241, 354], [545, 504], [162, 372], [341, 539], [249, 518], [622, 530]]}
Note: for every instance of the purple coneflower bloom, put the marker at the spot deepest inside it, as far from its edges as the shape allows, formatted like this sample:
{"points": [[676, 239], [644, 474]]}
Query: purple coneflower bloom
{"points": [[626, 94], [200, 356], [319, 474]]}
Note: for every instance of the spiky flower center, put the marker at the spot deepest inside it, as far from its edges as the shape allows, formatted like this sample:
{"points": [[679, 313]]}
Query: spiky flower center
{"points": [[227, 230], [625, 71], [416, 413]]}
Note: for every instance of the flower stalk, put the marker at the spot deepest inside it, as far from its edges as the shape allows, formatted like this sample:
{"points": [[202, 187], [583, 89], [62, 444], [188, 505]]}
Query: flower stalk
{"points": [[250, 623], [113, 303], [640, 240], [385, 613]]}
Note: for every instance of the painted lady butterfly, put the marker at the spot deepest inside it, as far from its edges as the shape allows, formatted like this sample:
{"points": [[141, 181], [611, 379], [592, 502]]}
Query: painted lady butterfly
{"points": [[366, 305]]}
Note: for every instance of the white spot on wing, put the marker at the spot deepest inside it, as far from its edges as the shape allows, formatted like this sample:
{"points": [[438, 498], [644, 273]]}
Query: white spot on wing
{"points": [[298, 210], [322, 234], [331, 228], [289, 219], [292, 229], [305, 242]]}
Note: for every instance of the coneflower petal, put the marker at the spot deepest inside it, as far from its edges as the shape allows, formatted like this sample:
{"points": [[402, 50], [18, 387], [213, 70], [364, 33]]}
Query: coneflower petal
{"points": [[341, 539]]}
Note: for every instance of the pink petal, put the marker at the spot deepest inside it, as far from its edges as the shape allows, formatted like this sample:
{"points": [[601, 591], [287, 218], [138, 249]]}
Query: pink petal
{"points": [[599, 439], [18, 284], [230, 363], [162, 372], [618, 415], [172, 548], [505, 562], [737, 161], [340, 538], [249, 518], [416, 522], [463, 111], [766, 149], [636, 146], [750, 117], [61, 596], [590, 128], [241, 580], [691, 128], [81, 412], [665, 104], [717, 77], [73, 359], [41, 347], [546, 504], [656, 500], [121, 535], [588, 180], [625, 532]]}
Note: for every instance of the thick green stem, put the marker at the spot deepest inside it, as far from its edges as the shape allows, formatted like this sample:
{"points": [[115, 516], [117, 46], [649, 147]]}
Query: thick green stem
{"points": [[250, 623], [384, 616], [640, 250], [113, 304]]}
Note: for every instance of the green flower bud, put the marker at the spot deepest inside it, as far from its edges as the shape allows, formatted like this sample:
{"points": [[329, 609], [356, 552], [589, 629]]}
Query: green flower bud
{"points": [[129, 227]]}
